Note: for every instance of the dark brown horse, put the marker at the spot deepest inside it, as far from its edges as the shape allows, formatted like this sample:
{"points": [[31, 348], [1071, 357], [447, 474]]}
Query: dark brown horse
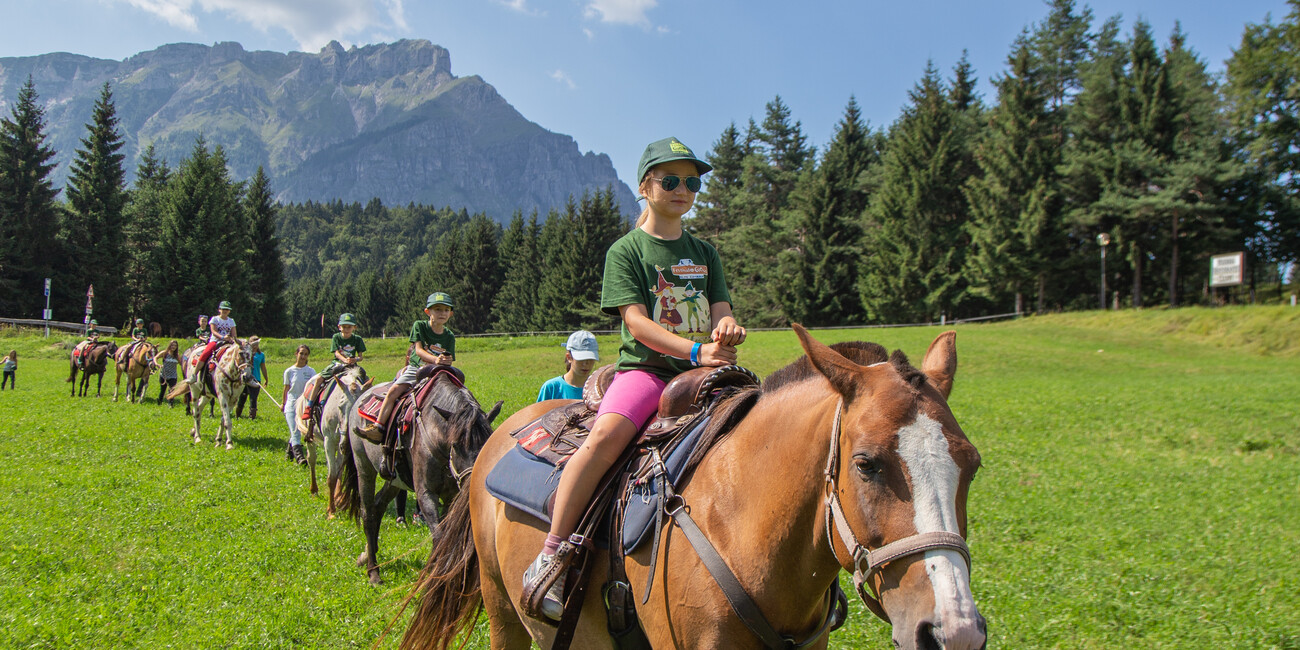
{"points": [[449, 432], [847, 449], [94, 361]]}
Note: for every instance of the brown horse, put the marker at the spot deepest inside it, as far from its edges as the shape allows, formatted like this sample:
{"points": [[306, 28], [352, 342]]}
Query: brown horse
{"points": [[94, 361], [137, 367], [847, 449]]}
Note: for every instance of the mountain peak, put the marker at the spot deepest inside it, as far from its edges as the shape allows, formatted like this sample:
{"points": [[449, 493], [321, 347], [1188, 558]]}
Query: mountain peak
{"points": [[386, 120]]}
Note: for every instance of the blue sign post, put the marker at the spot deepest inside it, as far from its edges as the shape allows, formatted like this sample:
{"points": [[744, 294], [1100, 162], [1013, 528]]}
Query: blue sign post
{"points": [[46, 313]]}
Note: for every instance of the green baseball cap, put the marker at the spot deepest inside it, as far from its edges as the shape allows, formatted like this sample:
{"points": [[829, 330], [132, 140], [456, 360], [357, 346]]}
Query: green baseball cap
{"points": [[438, 298], [139, 321], [668, 150], [94, 323], [225, 304], [347, 319]]}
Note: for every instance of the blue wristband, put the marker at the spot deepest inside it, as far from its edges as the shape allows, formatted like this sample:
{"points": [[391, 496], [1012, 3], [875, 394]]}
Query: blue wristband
{"points": [[695, 354]]}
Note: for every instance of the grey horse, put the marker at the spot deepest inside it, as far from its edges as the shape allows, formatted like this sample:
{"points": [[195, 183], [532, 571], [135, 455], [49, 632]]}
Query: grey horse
{"points": [[448, 434], [333, 417]]}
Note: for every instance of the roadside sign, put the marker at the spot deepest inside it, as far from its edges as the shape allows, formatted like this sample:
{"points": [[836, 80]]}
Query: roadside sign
{"points": [[47, 288], [1227, 270], [48, 315]]}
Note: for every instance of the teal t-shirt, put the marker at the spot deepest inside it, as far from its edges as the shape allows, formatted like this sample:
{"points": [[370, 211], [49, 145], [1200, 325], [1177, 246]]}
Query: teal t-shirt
{"points": [[677, 280], [350, 347], [557, 388], [423, 333]]}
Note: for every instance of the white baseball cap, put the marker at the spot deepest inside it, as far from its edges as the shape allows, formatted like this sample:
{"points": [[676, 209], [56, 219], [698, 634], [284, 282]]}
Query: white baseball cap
{"points": [[582, 345]]}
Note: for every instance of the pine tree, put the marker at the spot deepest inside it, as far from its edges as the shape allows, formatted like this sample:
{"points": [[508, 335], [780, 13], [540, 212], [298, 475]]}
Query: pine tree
{"points": [[715, 211], [828, 211], [1263, 86], [470, 272], [1059, 47], [201, 244], [517, 299], [143, 225], [97, 197], [28, 213], [266, 273], [556, 281], [914, 229], [1016, 238]]}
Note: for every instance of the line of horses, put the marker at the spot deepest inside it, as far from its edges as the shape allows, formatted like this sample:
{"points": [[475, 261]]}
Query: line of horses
{"points": [[848, 459]]}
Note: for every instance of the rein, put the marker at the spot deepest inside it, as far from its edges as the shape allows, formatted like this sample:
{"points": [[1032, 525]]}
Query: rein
{"points": [[867, 563]]}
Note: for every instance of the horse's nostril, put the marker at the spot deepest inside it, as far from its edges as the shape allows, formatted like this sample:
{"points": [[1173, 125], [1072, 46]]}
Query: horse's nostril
{"points": [[929, 637]]}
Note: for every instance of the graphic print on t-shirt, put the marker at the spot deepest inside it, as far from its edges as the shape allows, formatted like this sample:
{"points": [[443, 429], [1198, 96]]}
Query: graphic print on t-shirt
{"points": [[671, 300]]}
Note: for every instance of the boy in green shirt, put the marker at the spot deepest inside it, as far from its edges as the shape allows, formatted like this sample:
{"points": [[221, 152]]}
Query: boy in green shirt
{"points": [[431, 342], [348, 349]]}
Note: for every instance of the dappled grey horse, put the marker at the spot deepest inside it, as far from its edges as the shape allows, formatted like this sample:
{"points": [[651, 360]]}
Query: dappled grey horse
{"points": [[333, 417]]}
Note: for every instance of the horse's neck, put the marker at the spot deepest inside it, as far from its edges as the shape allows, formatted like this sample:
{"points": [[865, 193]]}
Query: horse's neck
{"points": [[765, 479]]}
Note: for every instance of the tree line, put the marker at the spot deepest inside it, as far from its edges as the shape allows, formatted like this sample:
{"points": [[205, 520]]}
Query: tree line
{"points": [[167, 249], [959, 208]]}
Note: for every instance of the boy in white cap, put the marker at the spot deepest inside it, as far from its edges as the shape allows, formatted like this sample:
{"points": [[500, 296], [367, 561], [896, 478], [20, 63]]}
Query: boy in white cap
{"points": [[580, 356]]}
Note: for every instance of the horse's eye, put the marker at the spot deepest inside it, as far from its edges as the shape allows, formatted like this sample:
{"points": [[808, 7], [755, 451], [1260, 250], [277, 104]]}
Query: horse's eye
{"points": [[868, 468]]}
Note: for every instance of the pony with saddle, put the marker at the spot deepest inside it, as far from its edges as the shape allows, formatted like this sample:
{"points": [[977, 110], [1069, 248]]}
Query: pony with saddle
{"points": [[329, 419], [90, 359], [136, 362], [438, 429], [185, 362], [729, 521], [229, 371]]}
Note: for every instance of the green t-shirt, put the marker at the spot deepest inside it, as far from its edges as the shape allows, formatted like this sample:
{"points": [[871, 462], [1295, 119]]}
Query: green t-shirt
{"points": [[423, 333], [676, 280], [139, 331], [350, 347]]}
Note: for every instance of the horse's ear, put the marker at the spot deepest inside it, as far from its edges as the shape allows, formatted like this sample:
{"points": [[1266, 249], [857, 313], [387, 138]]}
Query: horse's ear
{"points": [[496, 410], [843, 374], [940, 363]]}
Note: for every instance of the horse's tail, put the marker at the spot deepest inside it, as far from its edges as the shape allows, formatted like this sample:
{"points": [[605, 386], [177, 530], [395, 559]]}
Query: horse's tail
{"points": [[181, 387], [449, 596], [349, 492]]}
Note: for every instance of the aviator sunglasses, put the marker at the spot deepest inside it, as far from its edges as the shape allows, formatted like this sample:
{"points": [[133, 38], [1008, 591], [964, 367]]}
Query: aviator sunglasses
{"points": [[670, 183]]}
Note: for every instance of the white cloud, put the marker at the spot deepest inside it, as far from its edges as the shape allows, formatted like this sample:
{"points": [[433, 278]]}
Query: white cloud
{"points": [[312, 23], [626, 12], [563, 78]]}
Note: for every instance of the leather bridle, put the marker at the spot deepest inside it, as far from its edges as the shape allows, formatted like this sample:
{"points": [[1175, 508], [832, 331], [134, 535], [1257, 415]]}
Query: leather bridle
{"points": [[867, 563]]}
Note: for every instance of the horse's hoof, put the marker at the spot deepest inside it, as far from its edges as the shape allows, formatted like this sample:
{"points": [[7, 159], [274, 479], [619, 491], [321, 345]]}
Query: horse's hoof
{"points": [[229, 446], [329, 516], [361, 559], [375, 579]]}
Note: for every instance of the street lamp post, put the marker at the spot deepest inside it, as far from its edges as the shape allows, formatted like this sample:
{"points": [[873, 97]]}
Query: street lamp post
{"points": [[1103, 240]]}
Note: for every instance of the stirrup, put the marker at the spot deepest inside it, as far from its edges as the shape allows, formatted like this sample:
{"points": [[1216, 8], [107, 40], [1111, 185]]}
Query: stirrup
{"points": [[543, 597]]}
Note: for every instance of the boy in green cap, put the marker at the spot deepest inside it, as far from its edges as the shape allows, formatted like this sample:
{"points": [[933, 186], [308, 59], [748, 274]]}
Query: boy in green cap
{"points": [[348, 349], [92, 337], [138, 335], [431, 342]]}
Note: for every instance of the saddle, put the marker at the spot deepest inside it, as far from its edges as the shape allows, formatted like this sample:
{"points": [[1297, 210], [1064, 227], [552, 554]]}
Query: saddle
{"points": [[629, 503], [396, 440]]}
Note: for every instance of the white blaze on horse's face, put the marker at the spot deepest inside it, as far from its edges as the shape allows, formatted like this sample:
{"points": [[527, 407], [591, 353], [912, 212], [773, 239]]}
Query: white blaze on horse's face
{"points": [[935, 477]]}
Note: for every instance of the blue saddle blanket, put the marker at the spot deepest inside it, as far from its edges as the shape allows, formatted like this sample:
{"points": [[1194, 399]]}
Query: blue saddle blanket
{"points": [[527, 482]]}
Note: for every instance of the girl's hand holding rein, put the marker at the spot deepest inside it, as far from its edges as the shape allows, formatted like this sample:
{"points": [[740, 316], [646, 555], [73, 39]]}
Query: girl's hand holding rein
{"points": [[717, 354]]}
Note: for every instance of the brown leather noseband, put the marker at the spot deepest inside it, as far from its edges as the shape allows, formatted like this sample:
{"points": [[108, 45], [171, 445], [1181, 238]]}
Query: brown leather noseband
{"points": [[867, 563]]}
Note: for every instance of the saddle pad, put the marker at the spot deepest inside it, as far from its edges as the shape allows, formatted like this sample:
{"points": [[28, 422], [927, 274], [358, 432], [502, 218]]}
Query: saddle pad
{"points": [[369, 407], [528, 483]]}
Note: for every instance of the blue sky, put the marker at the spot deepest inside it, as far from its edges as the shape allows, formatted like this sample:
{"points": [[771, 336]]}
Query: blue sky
{"points": [[616, 74]]}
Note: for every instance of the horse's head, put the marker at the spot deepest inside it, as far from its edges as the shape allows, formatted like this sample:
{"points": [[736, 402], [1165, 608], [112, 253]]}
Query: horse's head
{"points": [[462, 426], [898, 473], [244, 362], [355, 380]]}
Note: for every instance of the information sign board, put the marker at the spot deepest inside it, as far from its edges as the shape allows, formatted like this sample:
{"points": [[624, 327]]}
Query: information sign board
{"points": [[1227, 270]]}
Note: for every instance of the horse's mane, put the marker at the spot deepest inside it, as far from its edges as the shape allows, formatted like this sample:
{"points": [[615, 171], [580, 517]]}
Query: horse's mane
{"points": [[467, 428], [735, 406]]}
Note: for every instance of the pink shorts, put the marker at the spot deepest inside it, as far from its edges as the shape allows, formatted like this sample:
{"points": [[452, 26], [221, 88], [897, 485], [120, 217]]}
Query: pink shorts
{"points": [[634, 394]]}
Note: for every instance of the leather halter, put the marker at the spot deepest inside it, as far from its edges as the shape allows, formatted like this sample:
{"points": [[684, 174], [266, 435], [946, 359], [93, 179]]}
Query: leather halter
{"points": [[867, 563]]}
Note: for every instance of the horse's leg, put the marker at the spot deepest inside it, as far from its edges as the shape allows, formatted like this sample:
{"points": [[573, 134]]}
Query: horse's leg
{"points": [[198, 402], [99, 386], [311, 467], [227, 420], [505, 629], [332, 471], [373, 507]]}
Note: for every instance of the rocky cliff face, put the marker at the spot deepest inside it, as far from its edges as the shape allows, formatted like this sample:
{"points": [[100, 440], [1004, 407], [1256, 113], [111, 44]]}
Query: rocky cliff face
{"points": [[388, 121]]}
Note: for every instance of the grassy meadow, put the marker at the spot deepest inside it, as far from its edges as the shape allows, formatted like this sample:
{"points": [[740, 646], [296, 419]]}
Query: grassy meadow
{"points": [[1140, 489]]}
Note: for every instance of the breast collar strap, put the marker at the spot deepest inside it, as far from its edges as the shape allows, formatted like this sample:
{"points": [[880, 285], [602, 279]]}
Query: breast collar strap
{"points": [[867, 563]]}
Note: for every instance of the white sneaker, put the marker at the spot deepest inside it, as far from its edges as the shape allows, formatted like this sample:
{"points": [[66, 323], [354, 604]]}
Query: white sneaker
{"points": [[553, 603]]}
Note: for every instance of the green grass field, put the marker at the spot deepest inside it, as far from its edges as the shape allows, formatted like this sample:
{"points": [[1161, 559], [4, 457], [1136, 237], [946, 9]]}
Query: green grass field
{"points": [[1140, 489]]}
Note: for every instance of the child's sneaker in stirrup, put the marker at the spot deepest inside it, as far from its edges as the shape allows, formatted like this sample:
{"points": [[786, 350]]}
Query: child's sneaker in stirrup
{"points": [[552, 604]]}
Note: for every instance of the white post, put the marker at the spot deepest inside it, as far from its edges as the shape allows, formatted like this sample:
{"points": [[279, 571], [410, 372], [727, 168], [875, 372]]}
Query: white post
{"points": [[46, 314], [1293, 300]]}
